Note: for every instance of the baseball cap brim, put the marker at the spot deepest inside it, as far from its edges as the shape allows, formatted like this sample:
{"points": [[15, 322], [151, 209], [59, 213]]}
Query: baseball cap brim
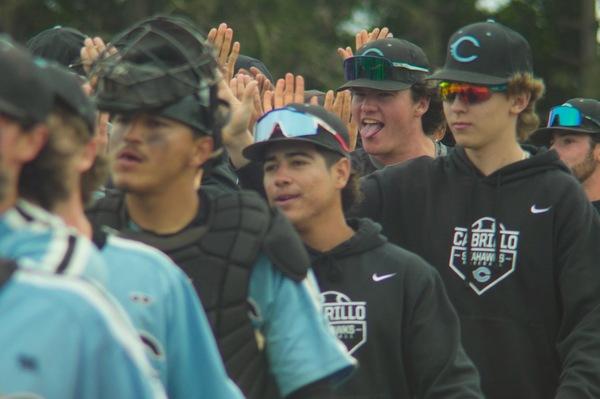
{"points": [[385, 85], [12, 111], [256, 152], [455, 75], [544, 135]]}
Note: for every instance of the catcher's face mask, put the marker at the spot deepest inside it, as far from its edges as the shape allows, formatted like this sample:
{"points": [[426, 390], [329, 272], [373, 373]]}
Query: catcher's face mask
{"points": [[161, 64]]}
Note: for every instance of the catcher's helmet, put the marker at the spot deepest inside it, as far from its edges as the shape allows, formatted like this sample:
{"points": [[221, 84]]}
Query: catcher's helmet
{"points": [[162, 65]]}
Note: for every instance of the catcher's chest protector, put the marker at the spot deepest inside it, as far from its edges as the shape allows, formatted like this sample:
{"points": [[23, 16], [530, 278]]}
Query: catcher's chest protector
{"points": [[218, 257]]}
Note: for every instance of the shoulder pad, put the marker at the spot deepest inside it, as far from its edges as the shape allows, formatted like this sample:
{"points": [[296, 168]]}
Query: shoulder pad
{"points": [[108, 211], [284, 247], [280, 242]]}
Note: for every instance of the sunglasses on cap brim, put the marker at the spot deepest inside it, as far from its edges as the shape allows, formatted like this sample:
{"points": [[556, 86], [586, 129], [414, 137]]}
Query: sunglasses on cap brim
{"points": [[380, 69], [568, 116], [468, 93], [293, 123]]}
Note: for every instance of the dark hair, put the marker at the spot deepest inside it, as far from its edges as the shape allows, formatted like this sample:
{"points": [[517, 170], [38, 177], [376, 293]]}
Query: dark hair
{"points": [[351, 194], [432, 120]]}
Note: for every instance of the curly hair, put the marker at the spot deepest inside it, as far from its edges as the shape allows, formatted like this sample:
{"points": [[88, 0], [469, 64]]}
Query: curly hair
{"points": [[351, 193], [528, 120], [433, 120]]}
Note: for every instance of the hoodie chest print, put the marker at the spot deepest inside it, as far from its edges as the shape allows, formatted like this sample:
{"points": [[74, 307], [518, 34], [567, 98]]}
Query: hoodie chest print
{"points": [[476, 258], [347, 317]]}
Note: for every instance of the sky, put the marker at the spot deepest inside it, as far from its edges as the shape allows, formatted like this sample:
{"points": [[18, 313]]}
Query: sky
{"points": [[362, 18], [494, 5]]}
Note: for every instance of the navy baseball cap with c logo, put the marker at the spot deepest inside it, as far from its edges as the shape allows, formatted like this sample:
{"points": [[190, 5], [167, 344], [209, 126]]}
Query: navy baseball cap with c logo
{"points": [[485, 53], [390, 64]]}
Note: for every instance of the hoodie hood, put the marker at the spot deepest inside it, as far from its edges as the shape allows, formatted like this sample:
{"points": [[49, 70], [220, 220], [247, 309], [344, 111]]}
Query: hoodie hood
{"points": [[366, 237], [541, 160]]}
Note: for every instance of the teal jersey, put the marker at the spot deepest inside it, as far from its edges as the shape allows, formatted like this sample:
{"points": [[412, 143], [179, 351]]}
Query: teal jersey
{"points": [[170, 320], [41, 241], [62, 339], [301, 346]]}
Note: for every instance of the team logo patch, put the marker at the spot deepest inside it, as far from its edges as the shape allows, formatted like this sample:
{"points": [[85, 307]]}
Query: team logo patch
{"points": [[348, 319], [482, 269], [460, 56]]}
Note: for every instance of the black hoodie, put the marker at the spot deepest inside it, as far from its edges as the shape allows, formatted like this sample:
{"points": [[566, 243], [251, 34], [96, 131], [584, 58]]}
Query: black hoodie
{"points": [[390, 309], [528, 306]]}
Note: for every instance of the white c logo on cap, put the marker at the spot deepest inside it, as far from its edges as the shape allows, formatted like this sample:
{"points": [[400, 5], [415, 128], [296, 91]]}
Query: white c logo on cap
{"points": [[454, 49], [374, 50]]}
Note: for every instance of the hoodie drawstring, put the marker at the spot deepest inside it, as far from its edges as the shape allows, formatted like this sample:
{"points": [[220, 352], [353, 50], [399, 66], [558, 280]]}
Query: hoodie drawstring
{"points": [[497, 238], [469, 219]]}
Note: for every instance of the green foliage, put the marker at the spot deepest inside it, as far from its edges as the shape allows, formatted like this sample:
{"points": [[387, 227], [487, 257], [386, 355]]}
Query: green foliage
{"points": [[302, 36]]}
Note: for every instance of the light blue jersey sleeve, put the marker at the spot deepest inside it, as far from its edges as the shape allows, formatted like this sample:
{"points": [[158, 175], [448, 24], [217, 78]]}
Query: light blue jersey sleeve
{"points": [[61, 339], [170, 320], [41, 241], [300, 345]]}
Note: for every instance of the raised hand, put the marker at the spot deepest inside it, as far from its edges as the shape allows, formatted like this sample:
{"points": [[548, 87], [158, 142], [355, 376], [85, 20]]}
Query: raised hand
{"points": [[288, 90], [226, 53], [363, 37], [91, 51], [238, 87], [340, 104], [264, 84], [235, 134]]}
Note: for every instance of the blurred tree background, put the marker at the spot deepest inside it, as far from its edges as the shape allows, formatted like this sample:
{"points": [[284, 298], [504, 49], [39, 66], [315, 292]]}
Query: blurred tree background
{"points": [[302, 36]]}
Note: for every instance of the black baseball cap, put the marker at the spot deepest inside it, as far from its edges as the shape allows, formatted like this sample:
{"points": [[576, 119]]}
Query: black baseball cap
{"points": [[590, 122], [67, 90], [309, 94], [246, 62], [24, 94], [485, 53], [59, 44], [322, 139], [410, 65]]}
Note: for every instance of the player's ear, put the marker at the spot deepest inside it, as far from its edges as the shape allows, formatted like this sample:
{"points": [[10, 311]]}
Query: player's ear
{"points": [[596, 151], [341, 172], [203, 150], [519, 101], [30, 143], [87, 156], [421, 106]]}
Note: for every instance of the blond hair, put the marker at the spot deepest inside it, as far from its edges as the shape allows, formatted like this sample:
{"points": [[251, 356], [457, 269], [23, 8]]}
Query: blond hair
{"points": [[528, 120], [44, 180]]}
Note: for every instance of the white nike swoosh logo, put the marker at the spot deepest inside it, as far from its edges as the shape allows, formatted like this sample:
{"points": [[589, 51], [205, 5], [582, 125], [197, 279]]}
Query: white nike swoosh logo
{"points": [[536, 210], [377, 278]]}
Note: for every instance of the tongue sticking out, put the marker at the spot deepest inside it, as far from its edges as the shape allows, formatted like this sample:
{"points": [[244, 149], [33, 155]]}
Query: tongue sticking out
{"points": [[371, 129]]}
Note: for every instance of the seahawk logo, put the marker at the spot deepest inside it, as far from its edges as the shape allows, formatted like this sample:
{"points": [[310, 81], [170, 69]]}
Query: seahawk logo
{"points": [[348, 318], [481, 269]]}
